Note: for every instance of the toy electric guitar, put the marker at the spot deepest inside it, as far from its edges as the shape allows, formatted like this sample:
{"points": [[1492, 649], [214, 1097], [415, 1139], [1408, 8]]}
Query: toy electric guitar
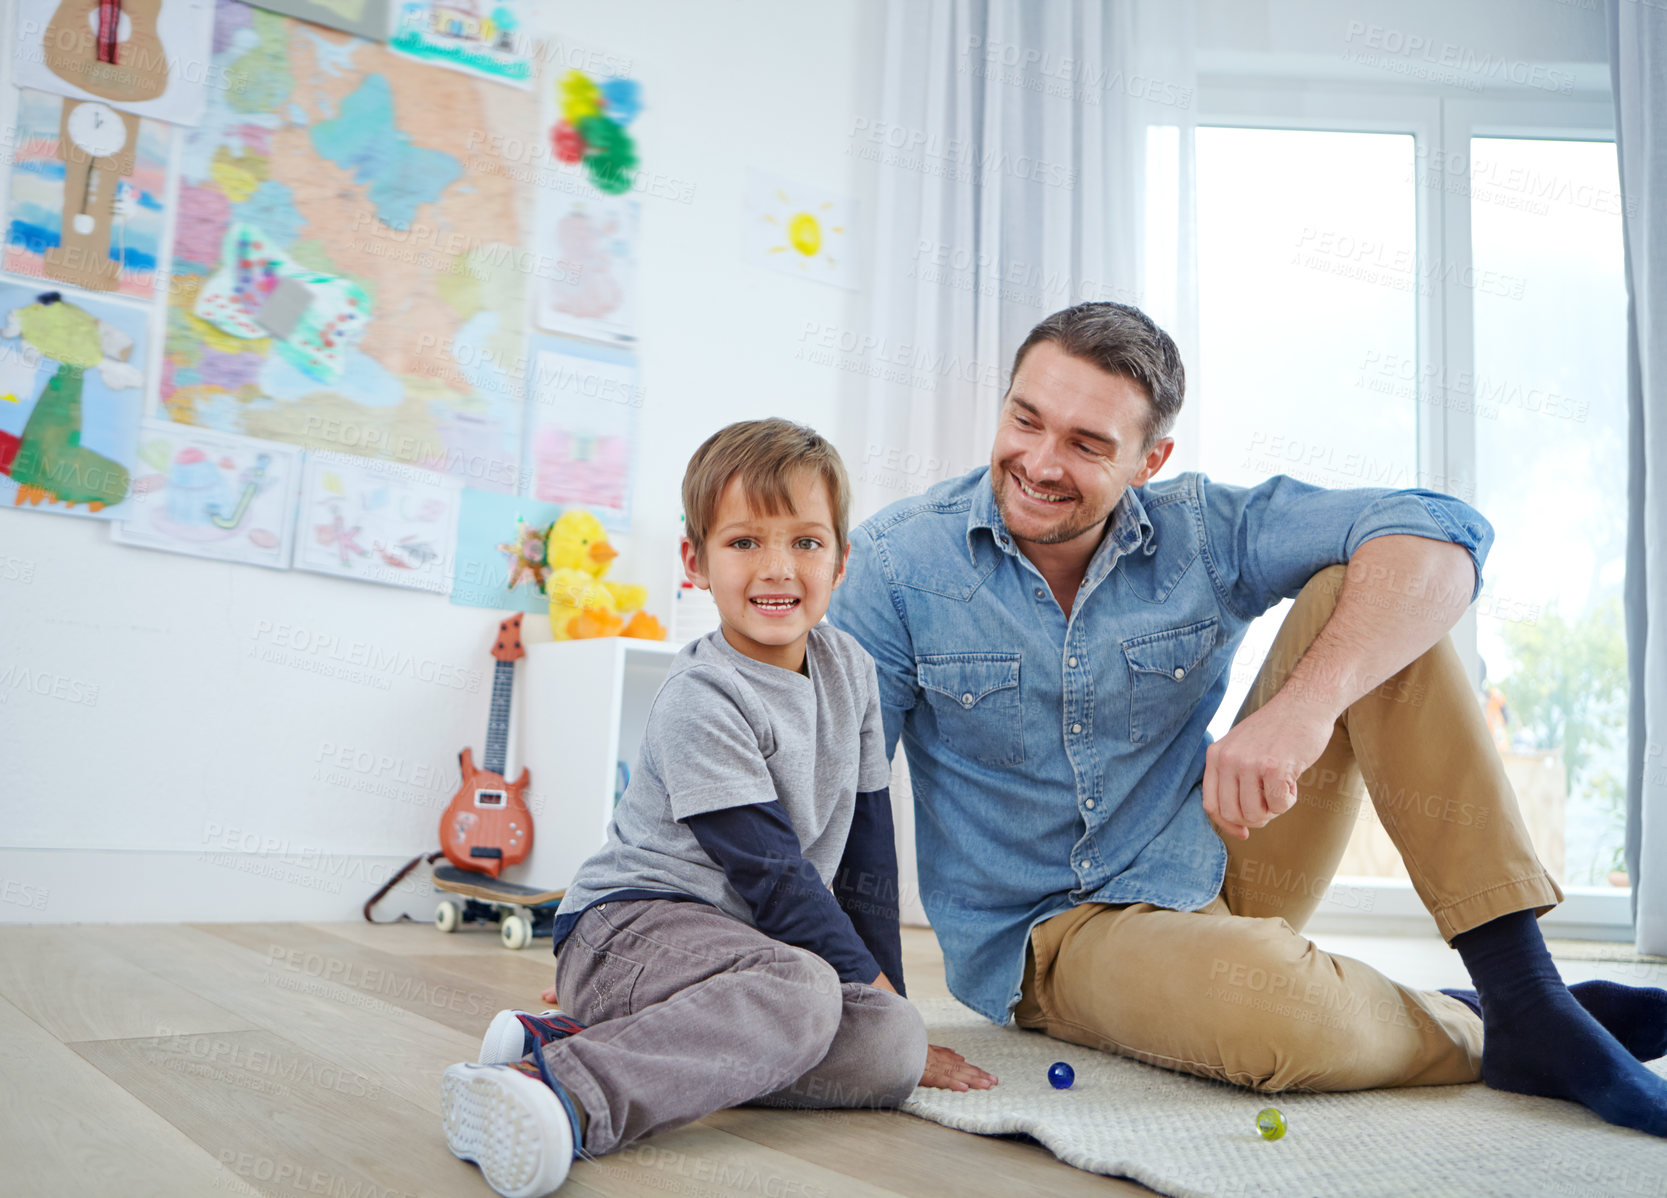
{"points": [[487, 825]]}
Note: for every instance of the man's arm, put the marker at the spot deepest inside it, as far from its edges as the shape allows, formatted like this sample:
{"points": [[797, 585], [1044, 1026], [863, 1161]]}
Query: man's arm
{"points": [[1400, 595], [1414, 562]]}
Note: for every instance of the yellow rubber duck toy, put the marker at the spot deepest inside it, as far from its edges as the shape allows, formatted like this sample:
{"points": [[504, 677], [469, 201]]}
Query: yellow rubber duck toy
{"points": [[581, 603]]}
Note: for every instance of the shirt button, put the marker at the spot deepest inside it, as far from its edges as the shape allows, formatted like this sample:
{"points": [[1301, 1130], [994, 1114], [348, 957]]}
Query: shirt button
{"points": [[966, 699], [1076, 727], [1179, 672], [1082, 865], [1089, 804], [1038, 592], [1073, 663]]}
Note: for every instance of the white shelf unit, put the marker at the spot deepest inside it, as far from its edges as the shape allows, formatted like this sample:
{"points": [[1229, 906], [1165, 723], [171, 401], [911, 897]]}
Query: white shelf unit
{"points": [[584, 706]]}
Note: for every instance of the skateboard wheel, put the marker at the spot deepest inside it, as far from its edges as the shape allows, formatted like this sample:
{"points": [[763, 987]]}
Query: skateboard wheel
{"points": [[515, 932], [448, 916]]}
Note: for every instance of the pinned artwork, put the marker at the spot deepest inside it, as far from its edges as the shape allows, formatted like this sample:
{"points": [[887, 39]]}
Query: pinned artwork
{"points": [[211, 495], [488, 38], [72, 379], [587, 220], [500, 552], [87, 194], [799, 230], [149, 57], [584, 406], [377, 522], [590, 289]]}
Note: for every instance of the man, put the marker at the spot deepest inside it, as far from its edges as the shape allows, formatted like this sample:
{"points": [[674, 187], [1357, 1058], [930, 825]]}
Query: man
{"points": [[1052, 636]]}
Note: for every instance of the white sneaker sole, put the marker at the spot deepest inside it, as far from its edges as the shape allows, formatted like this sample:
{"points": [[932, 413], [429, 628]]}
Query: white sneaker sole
{"points": [[509, 1124]]}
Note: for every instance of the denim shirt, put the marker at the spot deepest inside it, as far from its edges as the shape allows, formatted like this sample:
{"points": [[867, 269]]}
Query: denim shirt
{"points": [[1057, 761]]}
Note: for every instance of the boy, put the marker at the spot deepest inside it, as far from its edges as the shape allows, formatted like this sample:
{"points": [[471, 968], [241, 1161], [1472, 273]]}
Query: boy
{"points": [[701, 957]]}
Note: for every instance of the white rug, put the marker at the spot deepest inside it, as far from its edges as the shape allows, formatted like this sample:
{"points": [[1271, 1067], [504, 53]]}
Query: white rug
{"points": [[1191, 1137]]}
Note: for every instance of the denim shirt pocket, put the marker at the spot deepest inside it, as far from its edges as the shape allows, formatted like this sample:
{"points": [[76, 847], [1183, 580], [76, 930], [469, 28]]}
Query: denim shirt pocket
{"points": [[1165, 681], [975, 699]]}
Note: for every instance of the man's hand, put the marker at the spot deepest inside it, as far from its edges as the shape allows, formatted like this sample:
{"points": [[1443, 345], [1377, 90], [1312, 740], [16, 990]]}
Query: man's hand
{"points": [[1250, 775], [947, 1069]]}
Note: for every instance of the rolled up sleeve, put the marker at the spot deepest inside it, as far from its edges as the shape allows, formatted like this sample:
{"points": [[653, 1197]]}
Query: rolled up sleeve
{"points": [[1263, 543]]}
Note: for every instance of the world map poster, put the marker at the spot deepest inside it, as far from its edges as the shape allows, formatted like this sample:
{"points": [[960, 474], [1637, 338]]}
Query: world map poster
{"points": [[347, 273]]}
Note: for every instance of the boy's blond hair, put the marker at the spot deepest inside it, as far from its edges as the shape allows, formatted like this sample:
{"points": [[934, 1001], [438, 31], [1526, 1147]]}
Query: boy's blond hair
{"points": [[766, 454]]}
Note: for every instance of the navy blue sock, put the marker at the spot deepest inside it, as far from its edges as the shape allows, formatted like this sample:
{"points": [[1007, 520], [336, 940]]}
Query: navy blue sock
{"points": [[1538, 1039], [1634, 1015]]}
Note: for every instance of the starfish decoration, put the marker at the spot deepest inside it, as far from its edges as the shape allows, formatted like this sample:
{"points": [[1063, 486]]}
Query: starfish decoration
{"points": [[526, 555]]}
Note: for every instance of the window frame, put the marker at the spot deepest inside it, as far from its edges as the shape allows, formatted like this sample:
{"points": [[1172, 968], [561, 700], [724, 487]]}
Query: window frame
{"points": [[1441, 122]]}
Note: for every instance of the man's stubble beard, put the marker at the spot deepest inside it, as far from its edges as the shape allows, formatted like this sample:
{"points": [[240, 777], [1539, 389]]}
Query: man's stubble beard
{"points": [[1059, 535]]}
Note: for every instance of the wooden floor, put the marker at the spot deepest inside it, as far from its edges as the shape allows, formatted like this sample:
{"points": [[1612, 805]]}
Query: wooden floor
{"points": [[298, 1059], [289, 1059]]}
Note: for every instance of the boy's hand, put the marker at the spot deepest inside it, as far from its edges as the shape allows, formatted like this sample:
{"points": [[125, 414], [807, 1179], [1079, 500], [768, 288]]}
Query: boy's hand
{"points": [[549, 997], [883, 983], [947, 1069]]}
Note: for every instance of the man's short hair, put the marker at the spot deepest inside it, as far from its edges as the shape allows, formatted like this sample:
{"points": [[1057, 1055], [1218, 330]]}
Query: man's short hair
{"points": [[1123, 341], [767, 455]]}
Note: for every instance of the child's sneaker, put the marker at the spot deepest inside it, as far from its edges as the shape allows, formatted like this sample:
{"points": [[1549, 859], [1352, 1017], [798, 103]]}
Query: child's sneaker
{"points": [[508, 1120], [513, 1034]]}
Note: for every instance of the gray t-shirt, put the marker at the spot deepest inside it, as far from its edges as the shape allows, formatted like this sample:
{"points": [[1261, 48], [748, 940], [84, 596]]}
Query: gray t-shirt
{"points": [[726, 731]]}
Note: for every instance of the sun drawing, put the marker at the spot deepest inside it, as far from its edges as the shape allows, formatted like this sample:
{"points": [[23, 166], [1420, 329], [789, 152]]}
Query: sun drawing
{"points": [[806, 233]]}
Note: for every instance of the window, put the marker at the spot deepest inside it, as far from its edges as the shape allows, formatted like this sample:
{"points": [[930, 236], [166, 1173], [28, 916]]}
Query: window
{"points": [[1548, 398], [1418, 291]]}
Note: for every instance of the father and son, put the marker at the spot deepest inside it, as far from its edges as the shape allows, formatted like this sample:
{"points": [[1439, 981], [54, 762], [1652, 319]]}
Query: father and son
{"points": [[1049, 637]]}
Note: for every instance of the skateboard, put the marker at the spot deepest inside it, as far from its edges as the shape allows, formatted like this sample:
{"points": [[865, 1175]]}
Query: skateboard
{"points": [[521, 912]]}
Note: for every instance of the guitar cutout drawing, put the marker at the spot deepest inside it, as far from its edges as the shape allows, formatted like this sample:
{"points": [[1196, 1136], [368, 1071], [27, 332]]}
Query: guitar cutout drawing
{"points": [[116, 55]]}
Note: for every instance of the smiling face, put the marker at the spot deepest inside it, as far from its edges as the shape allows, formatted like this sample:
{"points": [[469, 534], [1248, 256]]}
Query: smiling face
{"points": [[1068, 443], [771, 576]]}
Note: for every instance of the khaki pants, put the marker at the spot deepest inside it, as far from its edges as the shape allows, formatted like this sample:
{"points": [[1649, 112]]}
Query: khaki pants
{"points": [[1234, 991]]}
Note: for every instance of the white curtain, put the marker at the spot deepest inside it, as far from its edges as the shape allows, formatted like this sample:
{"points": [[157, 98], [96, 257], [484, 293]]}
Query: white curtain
{"points": [[1011, 153], [1029, 156], [1638, 69]]}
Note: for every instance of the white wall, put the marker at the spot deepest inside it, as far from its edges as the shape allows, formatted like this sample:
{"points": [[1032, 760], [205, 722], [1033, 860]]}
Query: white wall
{"points": [[182, 739]]}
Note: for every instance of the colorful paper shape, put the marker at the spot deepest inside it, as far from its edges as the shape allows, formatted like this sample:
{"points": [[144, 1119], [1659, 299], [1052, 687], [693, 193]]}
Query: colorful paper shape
{"points": [[377, 521], [592, 129], [212, 495], [314, 318], [74, 372]]}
